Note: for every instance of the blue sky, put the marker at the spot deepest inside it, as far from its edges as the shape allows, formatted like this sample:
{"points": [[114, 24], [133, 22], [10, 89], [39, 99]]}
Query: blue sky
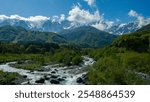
{"points": [[110, 10]]}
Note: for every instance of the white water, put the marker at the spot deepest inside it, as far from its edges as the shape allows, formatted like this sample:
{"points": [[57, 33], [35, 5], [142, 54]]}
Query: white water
{"points": [[71, 73]]}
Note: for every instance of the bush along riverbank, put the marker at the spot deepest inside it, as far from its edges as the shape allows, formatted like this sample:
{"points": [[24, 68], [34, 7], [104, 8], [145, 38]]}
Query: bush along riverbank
{"points": [[10, 78]]}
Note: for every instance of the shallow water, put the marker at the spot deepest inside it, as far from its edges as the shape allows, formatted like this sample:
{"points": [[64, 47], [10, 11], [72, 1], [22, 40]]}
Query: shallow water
{"points": [[69, 74]]}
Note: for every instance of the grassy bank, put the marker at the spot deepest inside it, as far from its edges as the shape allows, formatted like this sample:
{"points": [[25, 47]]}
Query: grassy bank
{"points": [[8, 78], [16, 57]]}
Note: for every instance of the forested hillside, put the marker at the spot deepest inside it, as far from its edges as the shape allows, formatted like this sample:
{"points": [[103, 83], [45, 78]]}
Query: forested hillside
{"points": [[20, 35], [125, 61], [88, 37]]}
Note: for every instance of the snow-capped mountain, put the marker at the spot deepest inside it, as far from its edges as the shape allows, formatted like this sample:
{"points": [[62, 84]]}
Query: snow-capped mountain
{"points": [[40, 23], [55, 26], [120, 29], [47, 25]]}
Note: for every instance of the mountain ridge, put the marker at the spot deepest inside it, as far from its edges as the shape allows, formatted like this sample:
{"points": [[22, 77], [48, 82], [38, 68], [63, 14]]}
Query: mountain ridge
{"points": [[88, 36], [19, 34], [147, 27]]}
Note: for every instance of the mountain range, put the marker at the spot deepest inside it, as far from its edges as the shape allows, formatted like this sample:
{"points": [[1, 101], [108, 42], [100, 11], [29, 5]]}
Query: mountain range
{"points": [[86, 36], [22, 31], [57, 26]]}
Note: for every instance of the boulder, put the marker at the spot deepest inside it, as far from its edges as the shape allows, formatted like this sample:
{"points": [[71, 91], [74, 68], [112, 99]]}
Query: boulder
{"points": [[24, 76], [79, 80], [56, 70], [42, 80], [53, 72], [31, 71], [84, 76], [61, 79], [54, 76], [54, 81], [46, 77]]}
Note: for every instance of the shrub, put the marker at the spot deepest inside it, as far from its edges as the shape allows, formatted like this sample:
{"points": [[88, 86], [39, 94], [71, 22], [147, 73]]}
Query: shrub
{"points": [[7, 78], [112, 71]]}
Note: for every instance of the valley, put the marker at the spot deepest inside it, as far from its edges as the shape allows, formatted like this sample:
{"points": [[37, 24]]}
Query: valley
{"points": [[80, 56]]}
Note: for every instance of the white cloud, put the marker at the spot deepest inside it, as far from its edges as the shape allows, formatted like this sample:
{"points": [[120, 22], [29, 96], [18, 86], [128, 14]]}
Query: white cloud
{"points": [[90, 2], [37, 21], [15, 17], [103, 25], [58, 19], [34, 21], [31, 18], [55, 19], [3, 17], [133, 13], [109, 24], [99, 26], [140, 19], [37, 18], [79, 16], [62, 18]]}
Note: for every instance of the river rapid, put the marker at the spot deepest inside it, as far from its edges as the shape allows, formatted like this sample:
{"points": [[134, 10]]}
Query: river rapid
{"points": [[53, 74]]}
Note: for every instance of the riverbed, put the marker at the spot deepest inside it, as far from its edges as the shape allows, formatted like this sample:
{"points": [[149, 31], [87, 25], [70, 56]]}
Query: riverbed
{"points": [[53, 74]]}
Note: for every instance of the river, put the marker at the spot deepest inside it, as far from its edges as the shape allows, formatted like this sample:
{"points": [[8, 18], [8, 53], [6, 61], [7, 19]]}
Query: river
{"points": [[53, 74]]}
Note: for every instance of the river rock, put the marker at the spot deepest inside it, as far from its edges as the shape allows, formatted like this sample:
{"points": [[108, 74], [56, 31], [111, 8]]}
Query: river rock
{"points": [[64, 77], [61, 79], [54, 81], [54, 76], [24, 76], [31, 71], [42, 80], [85, 79], [46, 77], [79, 80], [56, 70], [53, 72], [84, 76], [40, 70]]}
